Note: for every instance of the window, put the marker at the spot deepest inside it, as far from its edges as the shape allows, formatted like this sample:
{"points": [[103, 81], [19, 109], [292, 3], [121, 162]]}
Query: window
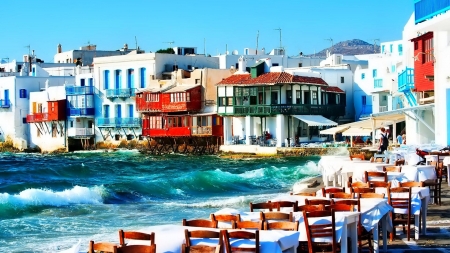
{"points": [[364, 100], [400, 49], [91, 81], [222, 101], [118, 78], [106, 111], [300, 65], [106, 79], [188, 97], [197, 81], [314, 97], [23, 93], [338, 99], [382, 49], [363, 76], [237, 65], [298, 97], [143, 73], [180, 97], [152, 97], [24, 120], [374, 73], [155, 122], [416, 45], [71, 123], [393, 69], [427, 50], [342, 79], [189, 67], [391, 48], [384, 97], [130, 78], [230, 101], [82, 82], [275, 64]]}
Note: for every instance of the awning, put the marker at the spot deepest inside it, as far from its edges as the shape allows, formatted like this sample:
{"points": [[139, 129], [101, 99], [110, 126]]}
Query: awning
{"points": [[357, 131], [315, 120], [334, 130]]}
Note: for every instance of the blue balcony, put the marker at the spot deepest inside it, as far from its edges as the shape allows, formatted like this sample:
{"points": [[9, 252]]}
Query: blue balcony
{"points": [[121, 93], [378, 83], [80, 112], [406, 80], [119, 122], [427, 9], [80, 90], [5, 103]]}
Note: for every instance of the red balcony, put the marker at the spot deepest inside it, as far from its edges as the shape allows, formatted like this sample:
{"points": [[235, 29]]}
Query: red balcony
{"points": [[37, 117], [148, 102], [182, 99]]}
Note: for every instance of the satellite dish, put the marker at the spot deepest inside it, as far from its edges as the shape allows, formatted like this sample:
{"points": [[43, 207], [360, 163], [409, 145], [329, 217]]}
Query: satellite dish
{"points": [[235, 52]]}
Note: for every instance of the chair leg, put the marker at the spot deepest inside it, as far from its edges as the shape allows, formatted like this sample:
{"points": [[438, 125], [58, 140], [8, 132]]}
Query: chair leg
{"points": [[440, 192], [409, 228]]}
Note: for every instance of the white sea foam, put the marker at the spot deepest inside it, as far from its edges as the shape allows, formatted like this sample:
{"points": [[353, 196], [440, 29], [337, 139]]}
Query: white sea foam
{"points": [[37, 197], [226, 202]]}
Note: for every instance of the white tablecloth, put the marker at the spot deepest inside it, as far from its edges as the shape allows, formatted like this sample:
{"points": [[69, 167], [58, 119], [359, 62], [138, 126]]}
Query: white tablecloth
{"points": [[330, 166], [168, 239], [419, 173], [357, 168]]}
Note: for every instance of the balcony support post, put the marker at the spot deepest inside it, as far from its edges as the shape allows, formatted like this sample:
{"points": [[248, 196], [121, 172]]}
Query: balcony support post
{"points": [[248, 129]]}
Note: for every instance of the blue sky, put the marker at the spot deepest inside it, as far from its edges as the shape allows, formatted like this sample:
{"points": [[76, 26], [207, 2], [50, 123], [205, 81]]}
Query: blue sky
{"points": [[305, 24]]}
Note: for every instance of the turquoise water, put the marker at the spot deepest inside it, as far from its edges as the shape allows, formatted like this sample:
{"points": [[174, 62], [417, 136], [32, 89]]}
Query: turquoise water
{"points": [[49, 202]]}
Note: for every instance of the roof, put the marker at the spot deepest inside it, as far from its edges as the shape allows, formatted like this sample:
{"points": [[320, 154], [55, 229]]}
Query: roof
{"points": [[332, 89], [181, 88], [271, 78], [148, 89]]}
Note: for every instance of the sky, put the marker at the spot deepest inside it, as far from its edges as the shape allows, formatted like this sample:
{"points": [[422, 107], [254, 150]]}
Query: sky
{"points": [[210, 25]]}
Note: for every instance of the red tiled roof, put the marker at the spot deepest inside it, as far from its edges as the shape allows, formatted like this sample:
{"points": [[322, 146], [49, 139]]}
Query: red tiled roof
{"points": [[333, 89], [271, 78]]}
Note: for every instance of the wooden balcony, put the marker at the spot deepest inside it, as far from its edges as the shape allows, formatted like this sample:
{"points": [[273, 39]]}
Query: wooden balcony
{"points": [[207, 131], [80, 132], [169, 132], [294, 109], [37, 117]]}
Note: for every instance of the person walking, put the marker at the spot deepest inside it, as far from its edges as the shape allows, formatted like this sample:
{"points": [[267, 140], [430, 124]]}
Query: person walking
{"points": [[399, 139], [384, 141]]}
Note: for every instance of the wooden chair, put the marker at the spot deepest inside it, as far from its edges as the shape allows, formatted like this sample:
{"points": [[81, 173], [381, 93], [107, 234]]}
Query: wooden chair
{"points": [[341, 195], [310, 208], [331, 190], [254, 235], [138, 249], [441, 157], [324, 230], [102, 247], [371, 195], [257, 225], [379, 184], [401, 204], [411, 184], [350, 202], [287, 204], [200, 223], [266, 206], [399, 162], [358, 185], [381, 176], [225, 218], [188, 247], [358, 156], [325, 202], [392, 169], [308, 194], [278, 216], [132, 235], [281, 225]]}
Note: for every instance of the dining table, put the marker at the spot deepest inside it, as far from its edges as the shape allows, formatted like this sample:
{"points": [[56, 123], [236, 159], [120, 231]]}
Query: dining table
{"points": [[169, 238]]}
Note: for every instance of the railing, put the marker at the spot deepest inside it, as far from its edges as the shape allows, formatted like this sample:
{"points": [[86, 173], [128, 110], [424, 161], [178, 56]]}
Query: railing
{"points": [[205, 130], [5, 103], [293, 109], [4, 74], [383, 109], [406, 80], [37, 117], [73, 132], [80, 112], [427, 9], [119, 122], [378, 83], [80, 90], [121, 93]]}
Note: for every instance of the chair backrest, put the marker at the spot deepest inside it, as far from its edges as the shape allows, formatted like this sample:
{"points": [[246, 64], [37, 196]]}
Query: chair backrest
{"points": [[376, 184], [188, 247], [287, 204], [353, 204], [281, 225], [411, 184], [379, 176], [323, 230], [137, 249], [309, 194], [271, 206], [331, 190], [310, 208], [400, 202], [341, 195], [371, 195], [200, 223], [342, 208], [279, 216], [392, 168], [133, 235], [325, 202], [258, 225], [253, 235], [358, 156], [362, 190], [358, 185], [225, 218], [102, 247]]}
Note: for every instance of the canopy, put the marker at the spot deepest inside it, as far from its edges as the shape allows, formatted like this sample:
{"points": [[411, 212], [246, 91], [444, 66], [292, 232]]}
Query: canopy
{"points": [[315, 120], [357, 131], [334, 130]]}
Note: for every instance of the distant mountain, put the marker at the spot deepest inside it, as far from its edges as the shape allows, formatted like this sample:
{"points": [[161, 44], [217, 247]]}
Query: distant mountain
{"points": [[350, 47]]}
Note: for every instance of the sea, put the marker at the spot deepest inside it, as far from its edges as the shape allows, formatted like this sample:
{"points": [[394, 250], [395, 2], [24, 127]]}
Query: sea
{"points": [[50, 202]]}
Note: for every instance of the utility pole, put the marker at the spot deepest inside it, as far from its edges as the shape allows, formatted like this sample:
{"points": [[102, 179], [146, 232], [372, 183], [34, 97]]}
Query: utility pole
{"points": [[375, 45], [279, 29], [257, 40], [204, 46], [135, 40], [330, 40]]}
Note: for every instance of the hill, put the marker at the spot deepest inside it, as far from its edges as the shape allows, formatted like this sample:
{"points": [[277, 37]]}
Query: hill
{"points": [[350, 47]]}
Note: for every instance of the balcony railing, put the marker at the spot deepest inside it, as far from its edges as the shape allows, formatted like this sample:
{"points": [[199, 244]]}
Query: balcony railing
{"points": [[119, 122], [5, 103], [80, 132], [294, 109], [378, 83], [121, 93], [427, 9], [37, 117], [383, 108], [80, 90], [79, 112], [406, 80], [205, 130]]}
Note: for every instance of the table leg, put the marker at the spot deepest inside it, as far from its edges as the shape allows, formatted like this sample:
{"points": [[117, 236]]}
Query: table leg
{"points": [[384, 222], [344, 245], [376, 239], [416, 226], [353, 228], [424, 211], [448, 174]]}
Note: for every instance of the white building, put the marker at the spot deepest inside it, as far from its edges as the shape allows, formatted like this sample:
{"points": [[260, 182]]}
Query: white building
{"points": [[118, 77]]}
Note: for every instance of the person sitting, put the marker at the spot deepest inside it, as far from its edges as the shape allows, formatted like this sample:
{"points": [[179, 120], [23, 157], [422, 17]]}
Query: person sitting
{"points": [[368, 141], [268, 135]]}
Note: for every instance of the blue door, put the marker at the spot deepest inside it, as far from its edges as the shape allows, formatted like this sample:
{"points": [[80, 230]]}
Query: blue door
{"points": [[91, 82], [130, 81], [82, 82], [118, 79], [119, 111], [130, 111], [6, 96], [106, 111]]}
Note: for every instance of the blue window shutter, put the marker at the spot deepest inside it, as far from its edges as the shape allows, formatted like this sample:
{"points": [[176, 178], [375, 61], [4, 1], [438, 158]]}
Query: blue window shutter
{"points": [[23, 93], [374, 73], [82, 82], [391, 48], [118, 77], [143, 73], [130, 111], [106, 79], [382, 49], [363, 76], [91, 81]]}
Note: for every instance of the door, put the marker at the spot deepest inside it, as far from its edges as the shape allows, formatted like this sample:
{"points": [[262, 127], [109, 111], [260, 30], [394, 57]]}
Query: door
{"points": [[6, 96], [82, 82], [119, 111], [307, 96], [130, 111], [274, 97], [106, 111], [288, 97], [118, 77], [130, 77]]}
